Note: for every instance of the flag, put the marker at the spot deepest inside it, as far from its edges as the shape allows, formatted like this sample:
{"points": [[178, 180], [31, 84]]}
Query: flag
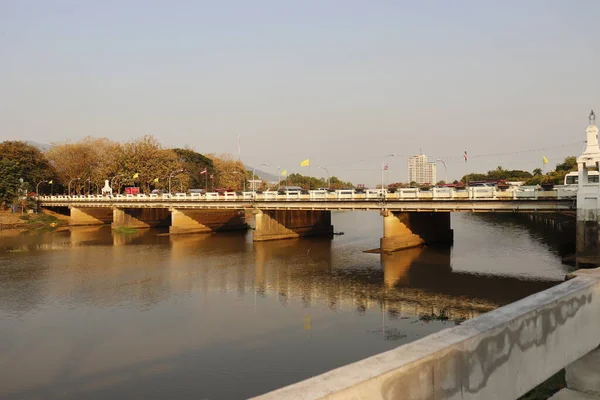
{"points": [[51, 182], [155, 180], [544, 160], [305, 163], [203, 171], [465, 156], [284, 172], [136, 175], [386, 167]]}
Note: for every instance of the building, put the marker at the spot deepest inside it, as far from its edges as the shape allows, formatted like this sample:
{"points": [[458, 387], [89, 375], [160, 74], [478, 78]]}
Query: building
{"points": [[421, 171]]}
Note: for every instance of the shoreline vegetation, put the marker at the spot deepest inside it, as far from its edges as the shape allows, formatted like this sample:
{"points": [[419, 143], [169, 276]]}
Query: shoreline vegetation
{"points": [[24, 222]]}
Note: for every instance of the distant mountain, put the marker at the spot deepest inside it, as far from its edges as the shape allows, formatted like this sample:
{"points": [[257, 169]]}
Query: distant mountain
{"points": [[262, 174], [40, 146]]}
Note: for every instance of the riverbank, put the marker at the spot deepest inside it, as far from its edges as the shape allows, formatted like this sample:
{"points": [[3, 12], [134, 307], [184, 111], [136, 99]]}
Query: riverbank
{"points": [[18, 223]]}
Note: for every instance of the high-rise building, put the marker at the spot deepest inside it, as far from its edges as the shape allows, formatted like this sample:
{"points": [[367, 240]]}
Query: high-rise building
{"points": [[420, 170]]}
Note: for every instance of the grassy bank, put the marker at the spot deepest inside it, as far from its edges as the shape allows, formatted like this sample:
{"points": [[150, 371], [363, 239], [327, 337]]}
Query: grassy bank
{"points": [[31, 222], [125, 230]]}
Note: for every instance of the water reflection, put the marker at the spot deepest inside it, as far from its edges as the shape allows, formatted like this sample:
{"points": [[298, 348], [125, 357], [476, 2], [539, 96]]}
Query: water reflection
{"points": [[92, 313]]}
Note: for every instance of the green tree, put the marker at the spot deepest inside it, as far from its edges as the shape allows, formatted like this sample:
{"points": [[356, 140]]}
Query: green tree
{"points": [[568, 165], [537, 172], [194, 163], [32, 166], [10, 182]]}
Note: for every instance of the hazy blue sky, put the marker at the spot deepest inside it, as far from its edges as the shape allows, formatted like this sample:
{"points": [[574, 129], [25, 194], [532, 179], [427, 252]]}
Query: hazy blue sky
{"points": [[339, 82]]}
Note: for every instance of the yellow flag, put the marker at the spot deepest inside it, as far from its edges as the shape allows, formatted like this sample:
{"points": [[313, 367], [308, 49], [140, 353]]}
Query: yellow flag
{"points": [[156, 180], [136, 175], [284, 172], [544, 160], [305, 163], [51, 182]]}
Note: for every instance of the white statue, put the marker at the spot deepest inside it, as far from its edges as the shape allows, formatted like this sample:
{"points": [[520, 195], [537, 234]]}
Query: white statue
{"points": [[106, 190]]}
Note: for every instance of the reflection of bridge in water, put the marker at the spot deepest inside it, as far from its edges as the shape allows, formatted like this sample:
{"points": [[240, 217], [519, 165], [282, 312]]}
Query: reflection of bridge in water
{"points": [[414, 282], [411, 283]]}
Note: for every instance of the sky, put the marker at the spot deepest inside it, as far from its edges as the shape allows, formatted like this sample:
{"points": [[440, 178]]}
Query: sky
{"points": [[342, 83]]}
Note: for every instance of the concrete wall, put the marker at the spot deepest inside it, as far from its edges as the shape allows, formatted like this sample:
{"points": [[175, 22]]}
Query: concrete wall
{"points": [[499, 355], [205, 221], [90, 216], [279, 224], [140, 217], [403, 230]]}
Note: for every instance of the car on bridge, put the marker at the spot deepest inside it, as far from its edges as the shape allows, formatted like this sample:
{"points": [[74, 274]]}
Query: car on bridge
{"points": [[291, 190]]}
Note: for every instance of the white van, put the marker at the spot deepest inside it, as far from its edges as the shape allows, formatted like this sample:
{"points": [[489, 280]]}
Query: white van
{"points": [[572, 178]]}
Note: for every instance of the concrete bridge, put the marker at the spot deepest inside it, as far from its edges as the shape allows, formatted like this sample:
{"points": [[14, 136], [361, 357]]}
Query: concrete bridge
{"points": [[411, 217]]}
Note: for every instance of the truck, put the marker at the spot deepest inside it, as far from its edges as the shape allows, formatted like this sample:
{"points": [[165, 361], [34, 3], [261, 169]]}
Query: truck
{"points": [[132, 190]]}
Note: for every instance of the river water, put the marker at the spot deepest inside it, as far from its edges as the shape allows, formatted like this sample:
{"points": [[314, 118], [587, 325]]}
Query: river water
{"points": [[87, 313]]}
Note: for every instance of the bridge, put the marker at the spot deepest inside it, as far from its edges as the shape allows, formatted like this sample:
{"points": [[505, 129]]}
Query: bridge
{"points": [[412, 217]]}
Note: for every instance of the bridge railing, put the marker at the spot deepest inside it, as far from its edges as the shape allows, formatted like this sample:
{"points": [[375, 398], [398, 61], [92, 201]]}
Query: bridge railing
{"points": [[473, 193]]}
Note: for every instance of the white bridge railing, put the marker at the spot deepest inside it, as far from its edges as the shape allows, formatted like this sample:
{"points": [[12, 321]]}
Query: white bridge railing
{"points": [[473, 193]]}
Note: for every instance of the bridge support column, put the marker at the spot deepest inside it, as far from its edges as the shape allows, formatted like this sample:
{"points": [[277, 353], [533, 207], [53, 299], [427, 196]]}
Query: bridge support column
{"points": [[588, 200], [205, 221], [288, 224], [90, 216], [140, 217], [404, 230]]}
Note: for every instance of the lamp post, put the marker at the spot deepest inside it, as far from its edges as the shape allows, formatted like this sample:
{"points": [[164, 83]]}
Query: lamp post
{"points": [[278, 176], [254, 170], [383, 172], [74, 179], [171, 175], [328, 180], [37, 187], [113, 178], [445, 170]]}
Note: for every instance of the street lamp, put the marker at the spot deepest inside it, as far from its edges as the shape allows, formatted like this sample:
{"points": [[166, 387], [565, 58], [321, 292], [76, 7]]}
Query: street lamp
{"points": [[278, 177], [74, 179], [171, 175], [328, 181], [445, 170], [383, 171], [253, 170], [113, 178], [37, 187]]}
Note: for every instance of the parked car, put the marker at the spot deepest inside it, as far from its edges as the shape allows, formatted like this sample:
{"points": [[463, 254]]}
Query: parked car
{"points": [[290, 190], [200, 191]]}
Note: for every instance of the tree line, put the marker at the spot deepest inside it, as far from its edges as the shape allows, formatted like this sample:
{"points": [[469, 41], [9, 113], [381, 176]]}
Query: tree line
{"points": [[536, 177], [83, 167]]}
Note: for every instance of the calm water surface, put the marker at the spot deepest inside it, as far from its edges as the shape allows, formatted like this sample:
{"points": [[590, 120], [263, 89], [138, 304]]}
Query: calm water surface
{"points": [[90, 314]]}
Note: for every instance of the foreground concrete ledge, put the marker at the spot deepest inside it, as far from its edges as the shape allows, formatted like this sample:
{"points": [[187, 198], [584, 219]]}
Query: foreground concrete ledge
{"points": [[568, 394], [499, 355], [591, 272]]}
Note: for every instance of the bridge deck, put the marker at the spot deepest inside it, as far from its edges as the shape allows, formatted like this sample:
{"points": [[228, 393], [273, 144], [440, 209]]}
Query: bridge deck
{"points": [[413, 205]]}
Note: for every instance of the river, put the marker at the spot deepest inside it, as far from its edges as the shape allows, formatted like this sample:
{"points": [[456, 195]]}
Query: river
{"points": [[87, 313]]}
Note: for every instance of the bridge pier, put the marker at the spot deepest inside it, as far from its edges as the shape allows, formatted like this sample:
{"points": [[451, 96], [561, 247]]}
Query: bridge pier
{"points": [[588, 200], [90, 216], [404, 230], [205, 221], [138, 218], [288, 224]]}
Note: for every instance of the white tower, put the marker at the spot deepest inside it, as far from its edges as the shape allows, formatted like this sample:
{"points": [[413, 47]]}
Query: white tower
{"points": [[588, 198], [591, 155]]}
